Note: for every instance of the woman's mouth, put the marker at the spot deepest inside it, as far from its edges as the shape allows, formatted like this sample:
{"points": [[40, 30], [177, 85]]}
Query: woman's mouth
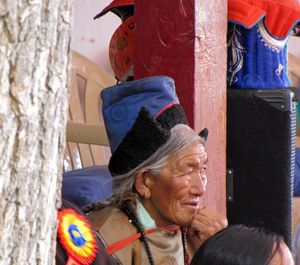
{"points": [[192, 204]]}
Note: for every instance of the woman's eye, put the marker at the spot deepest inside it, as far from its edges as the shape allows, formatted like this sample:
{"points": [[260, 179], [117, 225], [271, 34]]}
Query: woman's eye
{"points": [[203, 169]]}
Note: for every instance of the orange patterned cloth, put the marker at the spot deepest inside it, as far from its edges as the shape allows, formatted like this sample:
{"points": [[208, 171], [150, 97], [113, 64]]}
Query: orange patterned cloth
{"points": [[121, 48]]}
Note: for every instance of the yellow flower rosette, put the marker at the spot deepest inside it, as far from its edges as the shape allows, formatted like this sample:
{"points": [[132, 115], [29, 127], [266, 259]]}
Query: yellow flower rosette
{"points": [[76, 237]]}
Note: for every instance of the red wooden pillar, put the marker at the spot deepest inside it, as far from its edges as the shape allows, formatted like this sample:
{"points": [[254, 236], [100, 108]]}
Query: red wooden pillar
{"points": [[186, 40]]}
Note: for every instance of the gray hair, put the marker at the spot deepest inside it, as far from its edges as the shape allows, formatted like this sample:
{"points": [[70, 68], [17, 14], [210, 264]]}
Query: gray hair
{"points": [[182, 137]]}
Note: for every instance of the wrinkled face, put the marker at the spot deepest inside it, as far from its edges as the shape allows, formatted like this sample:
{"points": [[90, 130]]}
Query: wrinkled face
{"points": [[176, 191], [283, 256]]}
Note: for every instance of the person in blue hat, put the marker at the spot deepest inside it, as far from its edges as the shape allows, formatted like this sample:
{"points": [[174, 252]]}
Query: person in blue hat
{"points": [[158, 166]]}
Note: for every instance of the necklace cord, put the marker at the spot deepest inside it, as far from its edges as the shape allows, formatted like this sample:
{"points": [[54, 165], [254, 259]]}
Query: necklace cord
{"points": [[143, 238]]}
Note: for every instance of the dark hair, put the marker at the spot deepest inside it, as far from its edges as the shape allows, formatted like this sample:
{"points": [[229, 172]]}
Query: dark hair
{"points": [[238, 245]]}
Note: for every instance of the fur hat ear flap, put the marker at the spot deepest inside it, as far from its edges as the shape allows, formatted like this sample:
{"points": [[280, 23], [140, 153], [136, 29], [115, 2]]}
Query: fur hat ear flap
{"points": [[204, 134]]}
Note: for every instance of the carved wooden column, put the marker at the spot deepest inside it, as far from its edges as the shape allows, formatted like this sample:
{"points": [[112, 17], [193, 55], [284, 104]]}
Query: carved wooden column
{"points": [[186, 40]]}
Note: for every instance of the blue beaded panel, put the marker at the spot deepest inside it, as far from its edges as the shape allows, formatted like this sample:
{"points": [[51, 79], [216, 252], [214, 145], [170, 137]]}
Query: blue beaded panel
{"points": [[255, 58]]}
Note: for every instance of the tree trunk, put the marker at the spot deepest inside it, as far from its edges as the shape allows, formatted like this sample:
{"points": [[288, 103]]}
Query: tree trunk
{"points": [[35, 37]]}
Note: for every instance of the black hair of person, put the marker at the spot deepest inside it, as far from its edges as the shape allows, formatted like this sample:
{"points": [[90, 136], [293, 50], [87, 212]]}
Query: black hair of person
{"points": [[238, 245]]}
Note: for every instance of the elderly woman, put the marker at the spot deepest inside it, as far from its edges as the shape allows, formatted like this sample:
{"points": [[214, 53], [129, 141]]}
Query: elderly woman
{"points": [[158, 167]]}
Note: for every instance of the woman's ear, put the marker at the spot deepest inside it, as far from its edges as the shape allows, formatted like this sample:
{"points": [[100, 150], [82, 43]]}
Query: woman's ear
{"points": [[143, 183]]}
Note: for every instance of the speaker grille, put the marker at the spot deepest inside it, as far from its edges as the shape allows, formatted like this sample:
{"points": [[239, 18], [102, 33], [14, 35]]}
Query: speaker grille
{"points": [[261, 127]]}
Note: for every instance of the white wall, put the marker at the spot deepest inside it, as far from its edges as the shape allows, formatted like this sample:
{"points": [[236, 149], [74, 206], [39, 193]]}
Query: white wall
{"points": [[293, 46], [91, 37]]}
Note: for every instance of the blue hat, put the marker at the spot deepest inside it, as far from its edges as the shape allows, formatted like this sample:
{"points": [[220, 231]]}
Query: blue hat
{"points": [[138, 117]]}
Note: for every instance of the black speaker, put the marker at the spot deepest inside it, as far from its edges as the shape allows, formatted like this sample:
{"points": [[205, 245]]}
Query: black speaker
{"points": [[261, 127]]}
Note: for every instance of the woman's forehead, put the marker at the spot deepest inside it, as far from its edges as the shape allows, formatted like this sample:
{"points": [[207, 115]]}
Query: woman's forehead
{"points": [[195, 153]]}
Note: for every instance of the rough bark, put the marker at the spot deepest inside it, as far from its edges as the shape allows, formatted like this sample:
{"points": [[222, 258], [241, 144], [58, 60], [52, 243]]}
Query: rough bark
{"points": [[35, 37]]}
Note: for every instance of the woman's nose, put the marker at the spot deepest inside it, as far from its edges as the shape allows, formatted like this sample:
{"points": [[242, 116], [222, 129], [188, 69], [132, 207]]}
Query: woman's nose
{"points": [[198, 184]]}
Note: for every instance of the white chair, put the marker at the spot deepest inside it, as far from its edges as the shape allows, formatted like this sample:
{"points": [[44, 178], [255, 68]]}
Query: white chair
{"points": [[85, 135], [86, 178]]}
